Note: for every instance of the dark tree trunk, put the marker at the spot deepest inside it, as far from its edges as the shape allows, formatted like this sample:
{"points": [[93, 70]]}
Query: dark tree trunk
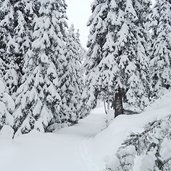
{"points": [[118, 103]]}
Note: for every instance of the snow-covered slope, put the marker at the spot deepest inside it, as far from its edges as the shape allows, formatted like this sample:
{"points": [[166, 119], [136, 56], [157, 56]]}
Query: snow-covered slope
{"points": [[86, 146], [106, 144]]}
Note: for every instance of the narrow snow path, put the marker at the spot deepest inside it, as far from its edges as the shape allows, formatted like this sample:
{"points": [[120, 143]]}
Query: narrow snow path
{"points": [[66, 150]]}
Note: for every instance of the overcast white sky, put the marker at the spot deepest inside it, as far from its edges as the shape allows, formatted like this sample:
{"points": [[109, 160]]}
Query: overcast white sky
{"points": [[78, 12]]}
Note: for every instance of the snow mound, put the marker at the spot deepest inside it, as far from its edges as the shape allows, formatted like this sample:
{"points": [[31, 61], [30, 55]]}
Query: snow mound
{"points": [[148, 150], [105, 145], [6, 132]]}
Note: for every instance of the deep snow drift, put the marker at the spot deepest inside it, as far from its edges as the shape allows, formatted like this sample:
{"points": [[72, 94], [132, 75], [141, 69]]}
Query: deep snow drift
{"points": [[86, 146]]}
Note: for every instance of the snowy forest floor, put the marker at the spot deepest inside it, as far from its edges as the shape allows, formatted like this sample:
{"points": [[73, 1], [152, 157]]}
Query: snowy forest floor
{"points": [[86, 146]]}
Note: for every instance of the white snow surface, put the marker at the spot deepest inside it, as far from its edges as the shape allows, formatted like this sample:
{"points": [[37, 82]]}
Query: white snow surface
{"points": [[86, 146]]}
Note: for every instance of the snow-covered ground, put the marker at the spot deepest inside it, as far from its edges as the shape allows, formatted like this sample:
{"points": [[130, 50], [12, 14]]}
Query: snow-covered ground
{"points": [[84, 147], [106, 143], [65, 150]]}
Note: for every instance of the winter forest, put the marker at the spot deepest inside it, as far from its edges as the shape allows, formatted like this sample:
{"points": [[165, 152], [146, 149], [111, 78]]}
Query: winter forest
{"points": [[106, 107]]}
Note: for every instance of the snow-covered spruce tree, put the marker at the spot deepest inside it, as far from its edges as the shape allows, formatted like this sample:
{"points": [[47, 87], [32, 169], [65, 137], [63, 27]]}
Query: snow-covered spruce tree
{"points": [[7, 107], [22, 31], [121, 70], [81, 56], [110, 75], [72, 80], [81, 51], [160, 64], [96, 40], [15, 25], [136, 70], [37, 98], [7, 44]]}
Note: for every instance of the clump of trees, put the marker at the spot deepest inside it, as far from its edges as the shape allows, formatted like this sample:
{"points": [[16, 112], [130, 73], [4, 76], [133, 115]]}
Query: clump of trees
{"points": [[43, 70], [41, 62], [128, 58]]}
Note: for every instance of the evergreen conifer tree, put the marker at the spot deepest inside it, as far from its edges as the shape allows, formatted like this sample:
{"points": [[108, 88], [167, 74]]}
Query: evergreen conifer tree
{"points": [[121, 69], [8, 45], [160, 64], [7, 107], [38, 98], [15, 26], [72, 80], [95, 44], [22, 31]]}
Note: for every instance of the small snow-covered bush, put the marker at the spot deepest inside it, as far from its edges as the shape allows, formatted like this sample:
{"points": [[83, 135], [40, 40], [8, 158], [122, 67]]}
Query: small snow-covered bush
{"points": [[149, 150], [7, 132], [7, 107]]}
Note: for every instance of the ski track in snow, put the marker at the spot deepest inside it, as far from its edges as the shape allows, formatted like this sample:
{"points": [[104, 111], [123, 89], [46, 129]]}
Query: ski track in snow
{"points": [[86, 156]]}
